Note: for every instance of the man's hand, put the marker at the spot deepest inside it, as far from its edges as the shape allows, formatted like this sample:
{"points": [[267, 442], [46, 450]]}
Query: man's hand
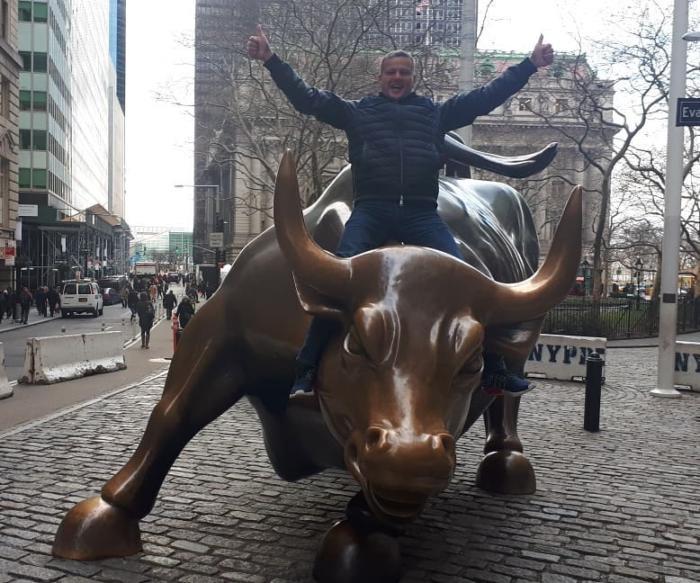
{"points": [[542, 55], [258, 46]]}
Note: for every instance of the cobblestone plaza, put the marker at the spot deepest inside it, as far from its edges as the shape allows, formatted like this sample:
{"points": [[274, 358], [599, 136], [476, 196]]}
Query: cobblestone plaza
{"points": [[616, 506]]}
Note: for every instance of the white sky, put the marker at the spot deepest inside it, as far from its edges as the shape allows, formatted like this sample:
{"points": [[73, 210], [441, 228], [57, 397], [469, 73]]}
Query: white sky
{"points": [[159, 135]]}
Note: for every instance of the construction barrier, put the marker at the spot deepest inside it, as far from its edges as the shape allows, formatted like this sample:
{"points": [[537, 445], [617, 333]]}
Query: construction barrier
{"points": [[53, 359], [563, 357], [687, 370], [6, 389]]}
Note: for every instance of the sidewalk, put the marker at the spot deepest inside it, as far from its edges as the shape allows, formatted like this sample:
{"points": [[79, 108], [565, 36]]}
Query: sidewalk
{"points": [[31, 402], [617, 506]]}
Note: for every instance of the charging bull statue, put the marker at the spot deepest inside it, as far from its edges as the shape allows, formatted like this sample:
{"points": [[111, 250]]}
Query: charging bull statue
{"points": [[398, 384]]}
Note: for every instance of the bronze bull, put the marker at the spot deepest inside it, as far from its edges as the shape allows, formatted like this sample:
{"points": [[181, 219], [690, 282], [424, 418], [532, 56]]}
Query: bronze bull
{"points": [[398, 384]]}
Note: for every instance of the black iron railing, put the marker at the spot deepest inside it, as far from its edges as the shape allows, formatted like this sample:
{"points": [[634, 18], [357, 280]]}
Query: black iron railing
{"points": [[616, 318]]}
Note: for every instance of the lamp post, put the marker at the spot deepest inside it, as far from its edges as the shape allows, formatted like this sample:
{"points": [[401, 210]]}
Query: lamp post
{"points": [[585, 271], [668, 308], [639, 265]]}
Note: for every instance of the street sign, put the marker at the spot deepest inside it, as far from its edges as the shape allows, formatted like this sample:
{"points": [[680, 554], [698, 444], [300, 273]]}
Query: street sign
{"points": [[216, 240], [688, 111]]}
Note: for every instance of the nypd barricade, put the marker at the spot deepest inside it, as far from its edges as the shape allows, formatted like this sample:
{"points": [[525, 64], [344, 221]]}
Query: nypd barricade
{"points": [[563, 357], [53, 359], [687, 372], [6, 389]]}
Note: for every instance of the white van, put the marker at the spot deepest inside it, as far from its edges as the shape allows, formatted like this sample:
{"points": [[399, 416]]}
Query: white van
{"points": [[81, 296]]}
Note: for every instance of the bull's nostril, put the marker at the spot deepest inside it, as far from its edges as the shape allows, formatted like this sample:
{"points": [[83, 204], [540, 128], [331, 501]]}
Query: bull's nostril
{"points": [[375, 437]]}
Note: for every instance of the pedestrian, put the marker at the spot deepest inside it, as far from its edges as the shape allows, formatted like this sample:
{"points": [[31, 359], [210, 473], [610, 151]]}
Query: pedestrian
{"points": [[396, 146], [124, 296], [54, 300], [153, 291], [3, 304], [144, 308], [25, 302], [169, 303], [10, 306], [133, 299], [185, 312], [40, 301]]}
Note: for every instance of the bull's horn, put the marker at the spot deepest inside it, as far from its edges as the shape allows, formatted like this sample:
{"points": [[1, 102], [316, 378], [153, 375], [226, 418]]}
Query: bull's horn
{"points": [[311, 264], [529, 299]]}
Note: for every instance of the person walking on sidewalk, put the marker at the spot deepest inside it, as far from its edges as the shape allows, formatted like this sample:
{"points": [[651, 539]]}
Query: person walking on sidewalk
{"points": [[185, 312], [169, 303], [133, 300], [54, 301], [25, 302], [395, 143], [147, 314]]}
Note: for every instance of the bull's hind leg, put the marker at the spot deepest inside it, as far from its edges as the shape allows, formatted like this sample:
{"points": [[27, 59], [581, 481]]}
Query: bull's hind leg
{"points": [[202, 383]]}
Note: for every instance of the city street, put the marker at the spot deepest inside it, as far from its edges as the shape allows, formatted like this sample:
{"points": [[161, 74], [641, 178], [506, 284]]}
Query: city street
{"points": [[14, 337]]}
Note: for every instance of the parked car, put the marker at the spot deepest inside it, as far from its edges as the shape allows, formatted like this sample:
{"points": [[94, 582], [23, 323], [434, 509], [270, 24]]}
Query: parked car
{"points": [[110, 296], [80, 297]]}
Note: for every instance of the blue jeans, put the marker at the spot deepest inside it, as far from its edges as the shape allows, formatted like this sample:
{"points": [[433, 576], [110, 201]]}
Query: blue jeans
{"points": [[374, 223]]}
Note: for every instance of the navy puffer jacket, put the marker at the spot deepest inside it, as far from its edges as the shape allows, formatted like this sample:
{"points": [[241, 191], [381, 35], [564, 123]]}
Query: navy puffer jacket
{"points": [[396, 147]]}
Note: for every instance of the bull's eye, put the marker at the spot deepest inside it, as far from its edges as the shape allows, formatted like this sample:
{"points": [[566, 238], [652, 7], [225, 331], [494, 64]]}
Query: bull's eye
{"points": [[472, 366], [352, 343]]}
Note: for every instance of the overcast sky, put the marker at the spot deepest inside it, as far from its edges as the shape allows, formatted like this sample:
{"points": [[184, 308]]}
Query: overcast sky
{"points": [[159, 135]]}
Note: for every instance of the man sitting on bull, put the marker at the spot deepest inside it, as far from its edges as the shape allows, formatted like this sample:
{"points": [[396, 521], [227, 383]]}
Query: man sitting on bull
{"points": [[395, 142]]}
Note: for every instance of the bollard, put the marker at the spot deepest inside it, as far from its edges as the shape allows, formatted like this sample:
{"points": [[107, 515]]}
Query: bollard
{"points": [[63, 330], [594, 380]]}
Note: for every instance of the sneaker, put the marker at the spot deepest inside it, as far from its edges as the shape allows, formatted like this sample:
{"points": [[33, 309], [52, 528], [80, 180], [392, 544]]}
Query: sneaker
{"points": [[499, 382], [305, 379]]}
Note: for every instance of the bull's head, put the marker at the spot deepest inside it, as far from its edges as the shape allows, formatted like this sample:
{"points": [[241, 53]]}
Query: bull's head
{"points": [[395, 387]]}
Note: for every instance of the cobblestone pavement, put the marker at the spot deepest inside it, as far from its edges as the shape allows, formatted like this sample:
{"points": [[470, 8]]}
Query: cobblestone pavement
{"points": [[617, 506]]}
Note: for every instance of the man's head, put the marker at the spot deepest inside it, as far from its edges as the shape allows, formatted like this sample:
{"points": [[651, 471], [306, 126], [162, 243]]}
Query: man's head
{"points": [[396, 74]]}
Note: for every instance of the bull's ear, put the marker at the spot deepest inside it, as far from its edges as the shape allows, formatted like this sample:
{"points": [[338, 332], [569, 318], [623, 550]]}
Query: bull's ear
{"points": [[317, 304]]}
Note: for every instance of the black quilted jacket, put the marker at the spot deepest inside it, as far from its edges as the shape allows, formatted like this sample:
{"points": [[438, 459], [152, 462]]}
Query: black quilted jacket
{"points": [[396, 147]]}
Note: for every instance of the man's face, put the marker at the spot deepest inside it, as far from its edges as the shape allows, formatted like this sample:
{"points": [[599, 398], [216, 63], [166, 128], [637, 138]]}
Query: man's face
{"points": [[396, 77]]}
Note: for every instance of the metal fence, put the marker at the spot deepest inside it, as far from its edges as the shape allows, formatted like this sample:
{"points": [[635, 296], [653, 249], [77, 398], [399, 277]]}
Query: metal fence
{"points": [[617, 318]]}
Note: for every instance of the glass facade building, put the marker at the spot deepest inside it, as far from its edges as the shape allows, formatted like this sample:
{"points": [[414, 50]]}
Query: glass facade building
{"points": [[45, 102]]}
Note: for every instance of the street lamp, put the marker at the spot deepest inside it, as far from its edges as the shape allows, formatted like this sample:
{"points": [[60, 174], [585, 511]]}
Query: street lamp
{"points": [[639, 265], [668, 308], [585, 271]]}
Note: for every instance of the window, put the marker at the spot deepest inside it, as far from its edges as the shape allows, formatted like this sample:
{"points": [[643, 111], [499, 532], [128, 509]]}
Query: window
{"points": [[85, 288], [40, 141], [4, 25], [25, 139], [39, 101], [38, 178], [41, 12], [25, 100], [4, 187], [524, 104], [561, 105], [26, 60], [25, 11], [40, 62], [69, 288], [4, 96], [25, 177]]}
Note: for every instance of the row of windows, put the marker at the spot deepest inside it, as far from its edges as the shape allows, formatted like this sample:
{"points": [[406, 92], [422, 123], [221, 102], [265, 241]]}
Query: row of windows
{"points": [[58, 34], [57, 115], [33, 11], [41, 178], [35, 61], [32, 100], [4, 97], [57, 150], [58, 81], [33, 139]]}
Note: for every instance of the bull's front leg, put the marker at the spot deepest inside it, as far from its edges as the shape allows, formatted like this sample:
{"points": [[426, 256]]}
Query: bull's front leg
{"points": [[504, 469], [201, 384]]}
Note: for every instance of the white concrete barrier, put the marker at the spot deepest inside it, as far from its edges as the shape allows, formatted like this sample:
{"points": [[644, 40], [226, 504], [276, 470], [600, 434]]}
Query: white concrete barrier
{"points": [[563, 357], [53, 359], [6, 389], [687, 372]]}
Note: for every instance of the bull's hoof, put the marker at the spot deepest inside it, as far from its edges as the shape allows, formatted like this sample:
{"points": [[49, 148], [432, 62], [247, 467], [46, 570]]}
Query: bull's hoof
{"points": [[95, 529], [506, 472], [354, 555]]}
